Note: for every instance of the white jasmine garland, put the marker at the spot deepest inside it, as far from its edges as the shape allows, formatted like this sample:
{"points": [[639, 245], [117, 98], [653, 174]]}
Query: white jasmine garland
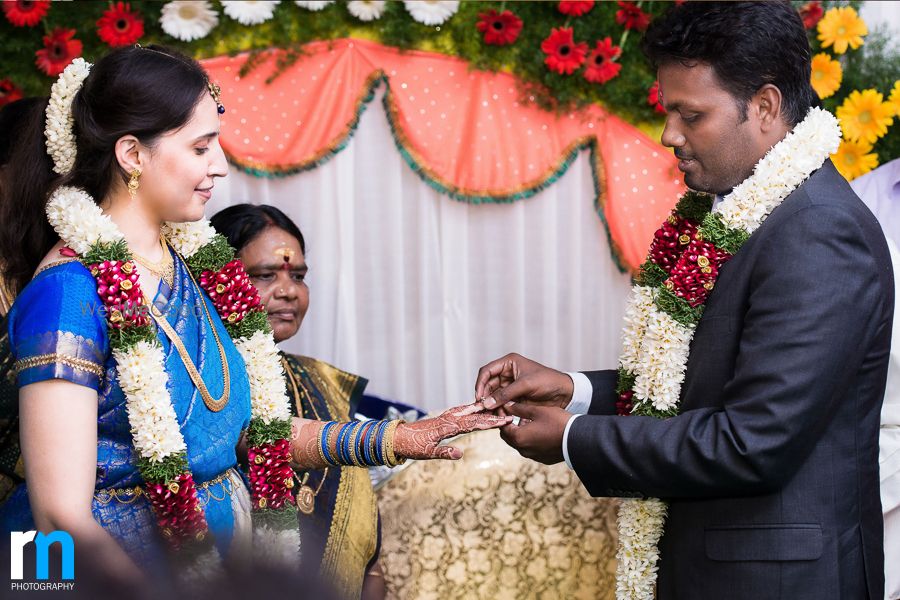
{"points": [[366, 10], [267, 385], [655, 347], [250, 12], [431, 12], [188, 20], [58, 131], [276, 548], [79, 221], [189, 237]]}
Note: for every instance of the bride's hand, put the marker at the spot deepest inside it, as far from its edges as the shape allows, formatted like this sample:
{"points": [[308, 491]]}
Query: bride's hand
{"points": [[420, 440]]}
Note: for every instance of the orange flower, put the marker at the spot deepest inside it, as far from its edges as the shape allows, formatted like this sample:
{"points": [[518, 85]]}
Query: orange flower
{"points": [[826, 75], [854, 159], [842, 27]]}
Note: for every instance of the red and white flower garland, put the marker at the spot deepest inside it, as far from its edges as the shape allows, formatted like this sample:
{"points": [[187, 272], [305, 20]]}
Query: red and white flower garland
{"points": [[667, 303], [140, 360]]}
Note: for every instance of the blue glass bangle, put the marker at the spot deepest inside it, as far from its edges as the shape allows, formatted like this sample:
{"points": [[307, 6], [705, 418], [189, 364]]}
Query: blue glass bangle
{"points": [[345, 445], [379, 449], [339, 454], [324, 442], [367, 443], [357, 451]]}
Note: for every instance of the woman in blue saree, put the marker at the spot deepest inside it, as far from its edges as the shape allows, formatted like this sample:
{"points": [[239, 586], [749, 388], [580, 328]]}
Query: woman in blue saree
{"points": [[145, 123]]}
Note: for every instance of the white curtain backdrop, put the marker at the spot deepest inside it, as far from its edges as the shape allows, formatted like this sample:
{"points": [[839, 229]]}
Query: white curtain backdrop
{"points": [[415, 291]]}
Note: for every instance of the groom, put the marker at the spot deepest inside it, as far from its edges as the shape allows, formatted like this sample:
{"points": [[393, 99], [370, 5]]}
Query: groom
{"points": [[770, 467]]}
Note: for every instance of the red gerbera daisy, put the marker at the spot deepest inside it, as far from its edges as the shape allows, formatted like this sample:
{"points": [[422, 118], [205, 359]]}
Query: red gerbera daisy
{"points": [[631, 16], [9, 92], [24, 13], [499, 29], [600, 65], [58, 51], [575, 8], [811, 13], [653, 98], [563, 54], [119, 26]]}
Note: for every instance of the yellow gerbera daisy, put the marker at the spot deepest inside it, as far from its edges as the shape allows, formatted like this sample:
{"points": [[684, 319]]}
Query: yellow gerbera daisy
{"points": [[842, 27], [826, 75], [864, 115], [894, 98], [854, 159]]}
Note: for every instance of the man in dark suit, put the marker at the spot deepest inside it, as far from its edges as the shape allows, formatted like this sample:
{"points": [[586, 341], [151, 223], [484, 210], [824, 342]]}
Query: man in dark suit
{"points": [[770, 467]]}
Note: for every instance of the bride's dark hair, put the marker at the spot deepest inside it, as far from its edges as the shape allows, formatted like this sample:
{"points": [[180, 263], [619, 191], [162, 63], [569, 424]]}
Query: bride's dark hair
{"points": [[145, 92]]}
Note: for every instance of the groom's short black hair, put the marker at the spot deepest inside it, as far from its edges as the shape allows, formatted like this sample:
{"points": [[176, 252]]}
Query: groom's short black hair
{"points": [[748, 44]]}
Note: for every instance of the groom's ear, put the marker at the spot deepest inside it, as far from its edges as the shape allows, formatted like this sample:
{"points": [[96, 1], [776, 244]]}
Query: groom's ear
{"points": [[767, 104]]}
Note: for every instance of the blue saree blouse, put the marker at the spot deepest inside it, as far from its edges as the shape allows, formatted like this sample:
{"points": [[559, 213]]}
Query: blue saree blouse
{"points": [[57, 330]]}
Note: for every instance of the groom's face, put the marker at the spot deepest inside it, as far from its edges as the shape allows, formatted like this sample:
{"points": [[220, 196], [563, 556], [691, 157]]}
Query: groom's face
{"points": [[706, 127]]}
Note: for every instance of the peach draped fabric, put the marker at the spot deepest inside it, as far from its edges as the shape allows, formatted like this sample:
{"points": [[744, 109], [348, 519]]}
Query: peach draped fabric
{"points": [[467, 133]]}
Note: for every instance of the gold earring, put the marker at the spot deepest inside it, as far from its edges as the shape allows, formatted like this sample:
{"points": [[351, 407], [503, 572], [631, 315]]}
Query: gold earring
{"points": [[133, 182]]}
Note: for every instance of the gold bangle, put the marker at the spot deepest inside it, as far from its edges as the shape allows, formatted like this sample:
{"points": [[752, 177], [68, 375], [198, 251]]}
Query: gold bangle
{"points": [[390, 458], [319, 443]]}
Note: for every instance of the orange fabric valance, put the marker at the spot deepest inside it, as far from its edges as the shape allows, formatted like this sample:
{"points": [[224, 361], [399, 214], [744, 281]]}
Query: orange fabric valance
{"points": [[467, 133]]}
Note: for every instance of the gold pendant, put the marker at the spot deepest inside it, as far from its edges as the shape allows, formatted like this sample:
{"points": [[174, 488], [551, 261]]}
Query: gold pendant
{"points": [[306, 499]]}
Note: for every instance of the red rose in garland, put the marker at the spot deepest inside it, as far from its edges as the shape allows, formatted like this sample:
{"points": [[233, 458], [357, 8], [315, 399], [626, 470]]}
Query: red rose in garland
{"points": [[811, 13], [653, 98], [58, 51], [119, 26], [631, 16], [575, 8], [499, 29], [563, 55], [600, 65], [23, 13], [9, 92]]}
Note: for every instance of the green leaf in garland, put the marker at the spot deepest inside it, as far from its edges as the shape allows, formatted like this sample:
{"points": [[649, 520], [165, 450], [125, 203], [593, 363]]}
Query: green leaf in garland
{"points": [[211, 257], [651, 274], [125, 337], [678, 308], [260, 433], [646, 409], [279, 520], [101, 251], [165, 470], [694, 206], [250, 324], [625, 381], [714, 230]]}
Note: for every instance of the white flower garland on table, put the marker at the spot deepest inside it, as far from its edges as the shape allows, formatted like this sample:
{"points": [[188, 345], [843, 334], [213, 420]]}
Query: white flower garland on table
{"points": [[660, 321], [366, 10], [140, 359]]}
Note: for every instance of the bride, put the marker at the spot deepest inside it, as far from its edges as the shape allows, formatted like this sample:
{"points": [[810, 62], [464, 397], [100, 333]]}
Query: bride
{"points": [[145, 364]]}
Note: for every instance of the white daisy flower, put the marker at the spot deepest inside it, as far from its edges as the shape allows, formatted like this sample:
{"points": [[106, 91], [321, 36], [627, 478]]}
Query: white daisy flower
{"points": [[366, 10], [310, 5], [250, 12], [431, 12], [188, 20]]}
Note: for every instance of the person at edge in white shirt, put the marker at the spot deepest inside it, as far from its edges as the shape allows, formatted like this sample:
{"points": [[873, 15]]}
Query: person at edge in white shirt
{"points": [[880, 191]]}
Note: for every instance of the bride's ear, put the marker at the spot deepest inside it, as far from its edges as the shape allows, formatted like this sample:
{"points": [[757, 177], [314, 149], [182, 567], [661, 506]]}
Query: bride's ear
{"points": [[130, 154]]}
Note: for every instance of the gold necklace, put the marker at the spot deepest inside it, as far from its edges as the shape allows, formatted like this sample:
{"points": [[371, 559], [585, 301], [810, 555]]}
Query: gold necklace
{"points": [[306, 497], [164, 269], [214, 404]]}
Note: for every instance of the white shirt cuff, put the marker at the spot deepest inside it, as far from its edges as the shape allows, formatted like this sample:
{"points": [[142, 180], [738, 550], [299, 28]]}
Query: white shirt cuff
{"points": [[581, 395], [565, 443]]}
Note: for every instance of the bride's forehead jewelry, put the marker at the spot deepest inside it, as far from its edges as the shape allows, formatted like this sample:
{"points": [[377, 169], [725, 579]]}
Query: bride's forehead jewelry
{"points": [[214, 90]]}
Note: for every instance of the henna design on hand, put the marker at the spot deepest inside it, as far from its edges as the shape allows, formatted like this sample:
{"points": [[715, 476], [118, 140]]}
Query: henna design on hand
{"points": [[420, 440]]}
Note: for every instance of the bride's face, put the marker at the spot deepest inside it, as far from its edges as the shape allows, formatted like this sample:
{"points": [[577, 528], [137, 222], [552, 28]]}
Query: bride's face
{"points": [[180, 173]]}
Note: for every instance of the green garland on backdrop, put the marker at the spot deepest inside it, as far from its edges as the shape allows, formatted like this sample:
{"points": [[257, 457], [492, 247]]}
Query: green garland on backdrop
{"points": [[872, 66]]}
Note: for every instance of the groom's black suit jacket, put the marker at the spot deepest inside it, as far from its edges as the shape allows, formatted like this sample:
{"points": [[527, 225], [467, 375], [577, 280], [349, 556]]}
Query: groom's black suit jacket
{"points": [[771, 467]]}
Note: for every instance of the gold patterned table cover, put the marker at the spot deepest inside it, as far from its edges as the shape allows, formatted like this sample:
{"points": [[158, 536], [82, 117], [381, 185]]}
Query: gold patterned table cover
{"points": [[495, 526]]}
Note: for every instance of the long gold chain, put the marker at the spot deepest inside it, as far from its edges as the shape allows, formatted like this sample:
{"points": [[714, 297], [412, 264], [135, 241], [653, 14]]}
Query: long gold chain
{"points": [[164, 269], [214, 404]]}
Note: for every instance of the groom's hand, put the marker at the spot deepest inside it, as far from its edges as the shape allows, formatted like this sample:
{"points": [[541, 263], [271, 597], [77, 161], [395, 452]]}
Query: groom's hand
{"points": [[539, 434], [514, 378]]}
